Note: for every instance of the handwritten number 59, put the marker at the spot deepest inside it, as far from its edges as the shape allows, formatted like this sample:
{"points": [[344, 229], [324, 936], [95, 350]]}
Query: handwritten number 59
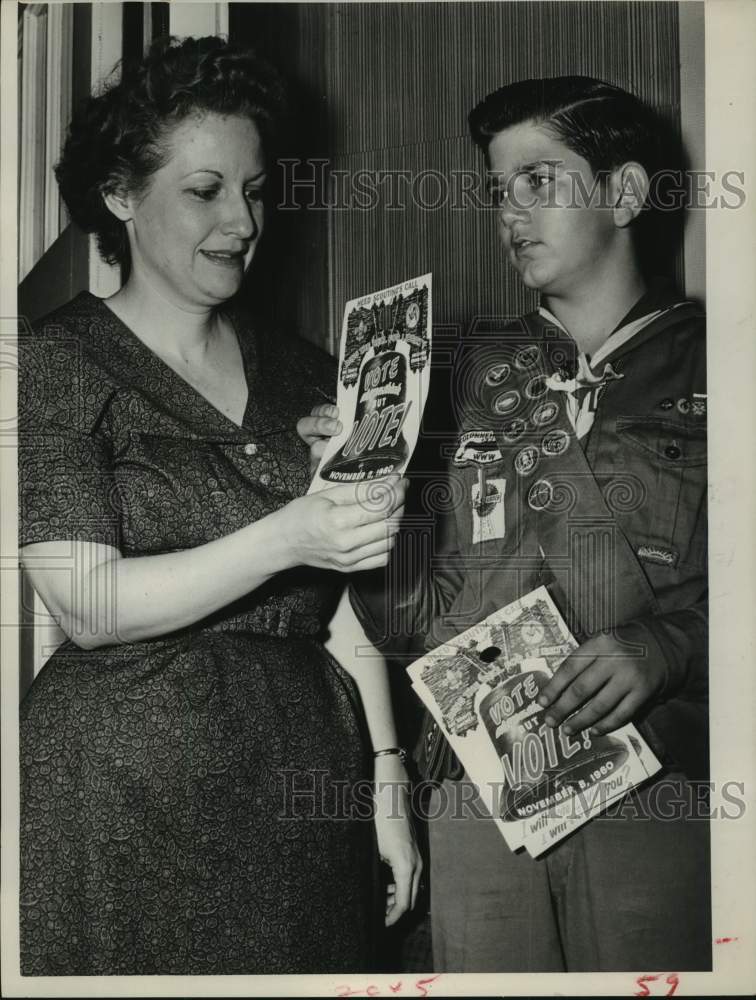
{"points": [[672, 981]]}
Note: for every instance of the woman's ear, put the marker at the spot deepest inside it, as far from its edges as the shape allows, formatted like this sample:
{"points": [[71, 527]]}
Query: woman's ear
{"points": [[629, 190], [118, 201]]}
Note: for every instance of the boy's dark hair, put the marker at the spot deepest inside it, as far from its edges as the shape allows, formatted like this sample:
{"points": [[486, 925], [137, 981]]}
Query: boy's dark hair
{"points": [[607, 126], [604, 124], [117, 139]]}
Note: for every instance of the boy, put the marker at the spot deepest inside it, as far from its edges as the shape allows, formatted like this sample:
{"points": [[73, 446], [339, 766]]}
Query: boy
{"points": [[580, 465]]}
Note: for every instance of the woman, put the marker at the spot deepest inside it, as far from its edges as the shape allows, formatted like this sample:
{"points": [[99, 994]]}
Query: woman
{"points": [[191, 757]]}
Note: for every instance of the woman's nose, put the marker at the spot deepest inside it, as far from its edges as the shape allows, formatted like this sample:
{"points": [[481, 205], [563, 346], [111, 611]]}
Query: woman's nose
{"points": [[241, 219]]}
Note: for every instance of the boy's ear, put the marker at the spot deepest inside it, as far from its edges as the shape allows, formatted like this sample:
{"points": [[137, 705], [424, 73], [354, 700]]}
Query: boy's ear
{"points": [[629, 190], [118, 202]]}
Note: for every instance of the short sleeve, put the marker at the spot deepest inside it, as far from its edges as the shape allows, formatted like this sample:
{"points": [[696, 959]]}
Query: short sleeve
{"points": [[65, 476]]}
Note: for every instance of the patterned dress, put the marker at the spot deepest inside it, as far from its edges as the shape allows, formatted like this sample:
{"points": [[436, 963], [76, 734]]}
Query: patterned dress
{"points": [[187, 802]]}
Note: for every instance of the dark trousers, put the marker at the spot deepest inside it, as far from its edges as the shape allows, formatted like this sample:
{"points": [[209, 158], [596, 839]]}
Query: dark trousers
{"points": [[622, 893]]}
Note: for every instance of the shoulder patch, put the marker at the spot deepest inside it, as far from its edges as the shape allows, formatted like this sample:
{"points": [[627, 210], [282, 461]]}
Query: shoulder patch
{"points": [[658, 554]]}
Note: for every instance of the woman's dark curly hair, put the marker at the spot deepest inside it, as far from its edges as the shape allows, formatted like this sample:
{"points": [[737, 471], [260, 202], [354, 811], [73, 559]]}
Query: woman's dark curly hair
{"points": [[117, 139]]}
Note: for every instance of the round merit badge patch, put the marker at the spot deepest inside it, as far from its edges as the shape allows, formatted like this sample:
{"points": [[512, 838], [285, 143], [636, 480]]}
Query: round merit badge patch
{"points": [[498, 374], [526, 357], [540, 495], [506, 402], [526, 460], [555, 442], [544, 414], [513, 430], [536, 387]]}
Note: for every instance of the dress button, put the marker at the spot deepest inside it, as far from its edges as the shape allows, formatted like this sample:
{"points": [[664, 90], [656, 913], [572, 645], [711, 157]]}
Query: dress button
{"points": [[672, 451], [250, 449], [265, 479], [667, 404]]}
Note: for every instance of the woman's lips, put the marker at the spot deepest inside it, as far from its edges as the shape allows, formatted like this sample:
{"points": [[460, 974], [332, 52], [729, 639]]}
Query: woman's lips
{"points": [[226, 258]]}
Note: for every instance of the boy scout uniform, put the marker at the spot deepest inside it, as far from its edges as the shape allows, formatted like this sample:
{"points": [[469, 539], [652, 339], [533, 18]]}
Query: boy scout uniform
{"points": [[589, 479]]}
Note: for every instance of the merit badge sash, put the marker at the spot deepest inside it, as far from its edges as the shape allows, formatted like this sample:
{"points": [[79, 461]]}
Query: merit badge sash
{"points": [[524, 466]]}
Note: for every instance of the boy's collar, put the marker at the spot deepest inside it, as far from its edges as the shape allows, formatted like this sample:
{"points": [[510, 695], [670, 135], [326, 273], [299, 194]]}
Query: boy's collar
{"points": [[657, 299], [660, 295]]}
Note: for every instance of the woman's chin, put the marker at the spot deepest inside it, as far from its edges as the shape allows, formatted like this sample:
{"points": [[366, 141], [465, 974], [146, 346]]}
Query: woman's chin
{"points": [[222, 288]]}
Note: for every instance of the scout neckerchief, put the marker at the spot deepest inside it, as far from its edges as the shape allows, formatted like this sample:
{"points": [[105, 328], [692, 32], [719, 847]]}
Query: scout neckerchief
{"points": [[584, 390]]}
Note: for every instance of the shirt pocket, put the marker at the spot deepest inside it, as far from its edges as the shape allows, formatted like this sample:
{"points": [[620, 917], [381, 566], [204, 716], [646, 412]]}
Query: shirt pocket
{"points": [[667, 460]]}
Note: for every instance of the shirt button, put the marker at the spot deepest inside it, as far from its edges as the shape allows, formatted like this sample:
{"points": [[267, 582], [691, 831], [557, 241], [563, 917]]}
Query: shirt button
{"points": [[672, 451], [250, 449], [265, 479], [667, 404]]}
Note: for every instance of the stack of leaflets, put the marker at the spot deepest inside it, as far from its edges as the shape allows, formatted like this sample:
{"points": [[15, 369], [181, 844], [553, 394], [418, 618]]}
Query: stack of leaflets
{"points": [[537, 782]]}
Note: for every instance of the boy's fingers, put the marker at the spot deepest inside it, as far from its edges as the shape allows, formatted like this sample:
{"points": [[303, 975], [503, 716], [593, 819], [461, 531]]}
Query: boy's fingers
{"points": [[573, 666], [597, 709], [583, 686], [620, 714]]}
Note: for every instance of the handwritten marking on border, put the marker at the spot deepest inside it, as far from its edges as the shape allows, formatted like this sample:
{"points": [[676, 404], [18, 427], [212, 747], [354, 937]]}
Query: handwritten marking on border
{"points": [[672, 980], [420, 987]]}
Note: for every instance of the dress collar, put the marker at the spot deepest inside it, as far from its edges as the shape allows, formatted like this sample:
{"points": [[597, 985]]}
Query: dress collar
{"points": [[134, 364]]}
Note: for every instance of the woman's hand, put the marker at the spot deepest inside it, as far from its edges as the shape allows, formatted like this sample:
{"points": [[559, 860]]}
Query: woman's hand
{"points": [[323, 423], [349, 527], [396, 838]]}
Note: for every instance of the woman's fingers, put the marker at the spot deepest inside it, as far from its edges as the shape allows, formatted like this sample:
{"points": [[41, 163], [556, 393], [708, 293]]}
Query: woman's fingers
{"points": [[402, 892], [317, 449], [363, 565], [376, 499], [321, 422], [319, 425], [375, 553], [325, 410], [416, 880], [348, 527]]}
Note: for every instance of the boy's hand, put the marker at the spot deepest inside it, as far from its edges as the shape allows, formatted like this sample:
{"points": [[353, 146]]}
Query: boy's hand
{"points": [[605, 682], [315, 430]]}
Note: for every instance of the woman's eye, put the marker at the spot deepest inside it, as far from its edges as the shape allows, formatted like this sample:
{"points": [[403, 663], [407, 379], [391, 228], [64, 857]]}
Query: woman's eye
{"points": [[204, 194], [254, 194]]}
